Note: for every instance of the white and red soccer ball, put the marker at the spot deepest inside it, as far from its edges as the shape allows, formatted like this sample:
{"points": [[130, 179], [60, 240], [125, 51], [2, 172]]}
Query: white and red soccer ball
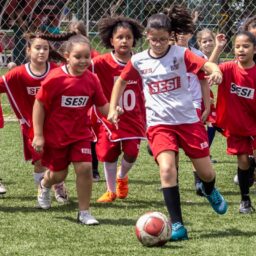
{"points": [[153, 229]]}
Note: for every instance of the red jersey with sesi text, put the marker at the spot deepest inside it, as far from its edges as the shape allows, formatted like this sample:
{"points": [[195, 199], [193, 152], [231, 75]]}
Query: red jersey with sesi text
{"points": [[66, 100], [236, 101], [21, 86], [132, 121]]}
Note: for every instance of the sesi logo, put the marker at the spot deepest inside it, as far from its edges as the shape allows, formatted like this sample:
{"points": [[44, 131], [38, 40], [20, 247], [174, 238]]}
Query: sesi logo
{"points": [[240, 91], [32, 90], [74, 101], [164, 85]]}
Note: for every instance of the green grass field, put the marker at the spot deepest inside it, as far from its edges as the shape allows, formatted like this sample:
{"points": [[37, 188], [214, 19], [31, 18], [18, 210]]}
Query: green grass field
{"points": [[25, 230]]}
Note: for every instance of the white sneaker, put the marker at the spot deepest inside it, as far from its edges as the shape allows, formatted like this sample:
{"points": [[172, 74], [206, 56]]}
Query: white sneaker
{"points": [[86, 218], [61, 193], [44, 197], [2, 188]]}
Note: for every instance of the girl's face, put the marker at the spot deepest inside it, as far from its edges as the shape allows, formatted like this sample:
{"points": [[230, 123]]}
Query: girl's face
{"points": [[207, 44], [158, 41], [183, 38], [38, 51], [244, 50], [122, 40], [78, 59]]}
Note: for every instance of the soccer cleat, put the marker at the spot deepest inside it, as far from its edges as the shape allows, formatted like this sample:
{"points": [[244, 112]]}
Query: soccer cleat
{"points": [[107, 197], [122, 188], [179, 232], [2, 188], [95, 176], [61, 193], [86, 218], [246, 207], [216, 200], [44, 197]]}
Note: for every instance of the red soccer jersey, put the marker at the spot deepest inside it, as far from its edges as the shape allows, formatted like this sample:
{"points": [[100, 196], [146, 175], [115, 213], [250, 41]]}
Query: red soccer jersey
{"points": [[21, 86], [236, 108], [66, 100], [132, 122]]}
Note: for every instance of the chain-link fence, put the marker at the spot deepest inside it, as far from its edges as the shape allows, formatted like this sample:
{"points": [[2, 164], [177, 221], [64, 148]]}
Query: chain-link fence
{"points": [[18, 16]]}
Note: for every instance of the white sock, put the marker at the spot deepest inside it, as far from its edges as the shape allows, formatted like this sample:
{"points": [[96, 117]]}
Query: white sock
{"points": [[37, 177], [110, 175], [125, 168]]}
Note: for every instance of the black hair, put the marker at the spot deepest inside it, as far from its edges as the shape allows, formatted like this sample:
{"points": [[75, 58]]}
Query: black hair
{"points": [[176, 19], [251, 38], [108, 26]]}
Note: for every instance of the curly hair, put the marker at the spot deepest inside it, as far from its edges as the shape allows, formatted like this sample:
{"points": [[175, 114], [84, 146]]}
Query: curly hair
{"points": [[108, 26], [250, 23], [181, 19]]}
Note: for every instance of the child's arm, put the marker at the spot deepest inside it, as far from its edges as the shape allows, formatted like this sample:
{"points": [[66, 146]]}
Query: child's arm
{"points": [[104, 109], [38, 124], [117, 91], [215, 75], [220, 41], [206, 99]]}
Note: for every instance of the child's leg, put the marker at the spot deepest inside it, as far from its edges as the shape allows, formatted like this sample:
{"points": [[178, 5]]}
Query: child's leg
{"points": [[95, 163], [207, 175], [38, 172], [83, 172], [131, 151], [244, 171], [44, 189], [170, 188]]}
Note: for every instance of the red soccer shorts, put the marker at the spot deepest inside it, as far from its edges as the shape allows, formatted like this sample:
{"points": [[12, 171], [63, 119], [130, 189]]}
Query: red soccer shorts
{"points": [[238, 145], [58, 159], [192, 138]]}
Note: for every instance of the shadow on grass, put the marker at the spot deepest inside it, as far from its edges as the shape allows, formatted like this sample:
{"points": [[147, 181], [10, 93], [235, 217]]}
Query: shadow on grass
{"points": [[227, 233]]}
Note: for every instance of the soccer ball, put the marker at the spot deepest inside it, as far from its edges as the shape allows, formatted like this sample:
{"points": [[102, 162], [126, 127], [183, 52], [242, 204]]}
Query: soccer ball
{"points": [[153, 229]]}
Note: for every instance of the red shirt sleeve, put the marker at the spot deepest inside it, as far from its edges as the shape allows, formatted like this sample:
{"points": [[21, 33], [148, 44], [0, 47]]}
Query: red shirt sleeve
{"points": [[99, 98], [129, 72], [193, 62]]}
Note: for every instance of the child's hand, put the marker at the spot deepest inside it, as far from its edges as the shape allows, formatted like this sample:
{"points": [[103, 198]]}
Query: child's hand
{"points": [[220, 41], [113, 116], [38, 143], [214, 78]]}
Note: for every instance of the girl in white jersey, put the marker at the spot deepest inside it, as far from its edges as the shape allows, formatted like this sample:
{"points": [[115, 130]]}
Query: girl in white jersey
{"points": [[171, 117]]}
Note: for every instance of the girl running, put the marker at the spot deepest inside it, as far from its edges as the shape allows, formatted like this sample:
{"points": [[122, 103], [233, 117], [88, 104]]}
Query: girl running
{"points": [[62, 127], [21, 84], [171, 118], [80, 28], [236, 110], [119, 34]]}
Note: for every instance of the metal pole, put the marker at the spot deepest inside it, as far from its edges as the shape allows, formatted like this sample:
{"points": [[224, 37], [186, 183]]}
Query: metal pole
{"points": [[87, 17]]}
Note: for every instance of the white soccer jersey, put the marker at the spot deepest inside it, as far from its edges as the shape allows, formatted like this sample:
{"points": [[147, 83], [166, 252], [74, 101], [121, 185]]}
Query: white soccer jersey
{"points": [[165, 85]]}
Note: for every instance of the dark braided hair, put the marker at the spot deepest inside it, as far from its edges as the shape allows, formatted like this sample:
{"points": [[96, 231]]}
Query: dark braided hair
{"points": [[54, 55], [108, 26], [250, 23]]}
